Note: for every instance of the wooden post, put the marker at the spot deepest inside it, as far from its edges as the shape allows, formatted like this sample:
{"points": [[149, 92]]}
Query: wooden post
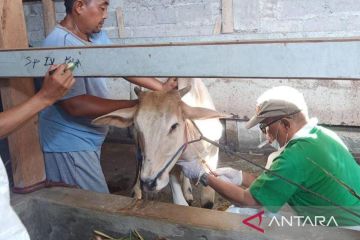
{"points": [[120, 22], [227, 16], [26, 155], [217, 26], [49, 15]]}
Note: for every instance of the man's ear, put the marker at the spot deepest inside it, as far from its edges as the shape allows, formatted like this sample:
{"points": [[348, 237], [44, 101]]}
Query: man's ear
{"points": [[79, 6], [121, 118], [286, 123], [198, 113]]}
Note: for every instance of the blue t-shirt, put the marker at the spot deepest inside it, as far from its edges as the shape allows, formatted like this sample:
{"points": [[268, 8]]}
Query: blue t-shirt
{"points": [[60, 132]]}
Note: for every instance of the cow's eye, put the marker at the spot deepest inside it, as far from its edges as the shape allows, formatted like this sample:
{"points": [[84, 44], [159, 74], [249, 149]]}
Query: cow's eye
{"points": [[173, 127]]}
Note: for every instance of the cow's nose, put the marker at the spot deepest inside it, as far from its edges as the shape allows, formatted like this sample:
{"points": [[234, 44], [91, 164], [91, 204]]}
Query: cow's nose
{"points": [[148, 184]]}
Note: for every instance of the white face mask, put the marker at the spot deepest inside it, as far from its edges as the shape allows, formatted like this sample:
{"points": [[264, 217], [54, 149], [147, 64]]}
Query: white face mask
{"points": [[275, 144]]}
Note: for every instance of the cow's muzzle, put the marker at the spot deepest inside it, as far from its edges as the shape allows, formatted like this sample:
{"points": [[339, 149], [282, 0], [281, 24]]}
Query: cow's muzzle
{"points": [[148, 185]]}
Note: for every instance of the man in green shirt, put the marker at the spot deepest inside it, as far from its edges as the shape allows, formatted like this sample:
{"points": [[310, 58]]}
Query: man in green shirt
{"points": [[312, 157]]}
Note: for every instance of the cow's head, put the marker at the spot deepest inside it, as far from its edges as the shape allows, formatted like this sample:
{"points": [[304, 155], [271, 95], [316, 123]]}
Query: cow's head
{"points": [[159, 120]]}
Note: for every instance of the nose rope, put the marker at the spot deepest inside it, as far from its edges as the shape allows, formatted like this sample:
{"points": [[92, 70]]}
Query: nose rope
{"points": [[241, 156], [181, 149]]}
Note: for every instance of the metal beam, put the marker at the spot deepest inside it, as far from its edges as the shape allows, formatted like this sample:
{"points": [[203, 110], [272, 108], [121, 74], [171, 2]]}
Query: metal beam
{"points": [[263, 59]]}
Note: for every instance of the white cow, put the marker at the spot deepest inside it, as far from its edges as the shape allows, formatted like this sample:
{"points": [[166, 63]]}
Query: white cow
{"points": [[162, 126]]}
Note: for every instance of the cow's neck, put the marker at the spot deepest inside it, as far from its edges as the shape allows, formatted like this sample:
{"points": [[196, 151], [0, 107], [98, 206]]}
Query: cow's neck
{"points": [[196, 149]]}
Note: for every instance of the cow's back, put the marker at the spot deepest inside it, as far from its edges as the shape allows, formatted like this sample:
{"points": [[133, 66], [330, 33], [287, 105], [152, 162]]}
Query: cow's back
{"points": [[199, 96]]}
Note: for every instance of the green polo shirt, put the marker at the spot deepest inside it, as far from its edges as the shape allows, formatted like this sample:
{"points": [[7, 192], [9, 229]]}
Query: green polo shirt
{"points": [[326, 149]]}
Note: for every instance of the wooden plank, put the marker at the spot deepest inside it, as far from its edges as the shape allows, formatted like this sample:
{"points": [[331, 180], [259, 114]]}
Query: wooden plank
{"points": [[78, 211], [293, 60], [217, 26], [227, 16], [26, 155], [121, 22], [49, 15]]}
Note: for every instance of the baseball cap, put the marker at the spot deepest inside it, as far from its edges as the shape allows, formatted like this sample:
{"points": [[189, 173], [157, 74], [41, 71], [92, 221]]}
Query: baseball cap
{"points": [[277, 102]]}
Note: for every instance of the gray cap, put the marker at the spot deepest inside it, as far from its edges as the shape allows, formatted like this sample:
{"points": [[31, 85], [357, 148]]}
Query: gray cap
{"points": [[272, 108]]}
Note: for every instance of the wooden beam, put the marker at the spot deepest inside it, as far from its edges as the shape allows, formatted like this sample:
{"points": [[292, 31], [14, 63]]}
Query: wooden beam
{"points": [[269, 59], [26, 155], [49, 15]]}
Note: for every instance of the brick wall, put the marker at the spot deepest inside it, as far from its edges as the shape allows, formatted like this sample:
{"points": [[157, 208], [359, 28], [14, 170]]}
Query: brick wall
{"points": [[252, 19]]}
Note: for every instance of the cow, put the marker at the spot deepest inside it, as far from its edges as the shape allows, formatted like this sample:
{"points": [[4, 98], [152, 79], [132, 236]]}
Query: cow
{"points": [[163, 123]]}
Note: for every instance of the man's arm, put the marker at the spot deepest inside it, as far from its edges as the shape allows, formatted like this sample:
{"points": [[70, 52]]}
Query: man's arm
{"points": [[233, 193], [92, 106], [54, 87], [227, 183], [152, 83], [237, 177], [248, 179]]}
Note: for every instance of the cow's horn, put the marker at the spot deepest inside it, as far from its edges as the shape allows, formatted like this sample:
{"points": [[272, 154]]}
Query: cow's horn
{"points": [[184, 90]]}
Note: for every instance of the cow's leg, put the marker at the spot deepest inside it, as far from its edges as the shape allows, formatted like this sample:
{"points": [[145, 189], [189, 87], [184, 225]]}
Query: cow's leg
{"points": [[187, 189], [178, 196], [207, 197], [137, 193], [137, 189]]}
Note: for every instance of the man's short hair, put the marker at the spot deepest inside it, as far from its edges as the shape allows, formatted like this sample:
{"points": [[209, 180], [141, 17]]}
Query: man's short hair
{"points": [[69, 4]]}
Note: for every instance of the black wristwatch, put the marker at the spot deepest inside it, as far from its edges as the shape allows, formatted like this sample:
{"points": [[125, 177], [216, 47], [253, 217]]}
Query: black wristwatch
{"points": [[204, 179]]}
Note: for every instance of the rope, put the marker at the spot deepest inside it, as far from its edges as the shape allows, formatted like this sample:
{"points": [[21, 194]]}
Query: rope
{"points": [[227, 150]]}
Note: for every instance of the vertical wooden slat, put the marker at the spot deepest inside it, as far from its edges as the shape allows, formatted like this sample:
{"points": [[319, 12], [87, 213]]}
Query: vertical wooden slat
{"points": [[26, 155], [120, 22], [49, 15], [227, 16], [217, 26]]}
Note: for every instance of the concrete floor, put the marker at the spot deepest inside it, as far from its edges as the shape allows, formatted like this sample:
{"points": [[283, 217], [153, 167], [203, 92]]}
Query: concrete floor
{"points": [[119, 166]]}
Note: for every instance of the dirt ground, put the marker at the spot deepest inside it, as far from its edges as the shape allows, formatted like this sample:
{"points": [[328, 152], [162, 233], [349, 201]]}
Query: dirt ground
{"points": [[119, 166]]}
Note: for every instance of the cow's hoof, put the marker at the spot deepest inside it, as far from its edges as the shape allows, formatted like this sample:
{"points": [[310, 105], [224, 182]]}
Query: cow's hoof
{"points": [[208, 205], [136, 195], [189, 197]]}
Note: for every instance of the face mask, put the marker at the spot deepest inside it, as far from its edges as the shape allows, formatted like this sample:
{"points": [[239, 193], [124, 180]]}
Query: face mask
{"points": [[275, 144]]}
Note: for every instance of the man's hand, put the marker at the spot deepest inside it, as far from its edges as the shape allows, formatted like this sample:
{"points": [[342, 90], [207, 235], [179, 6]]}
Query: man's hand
{"points": [[170, 84], [230, 175], [191, 169], [56, 85]]}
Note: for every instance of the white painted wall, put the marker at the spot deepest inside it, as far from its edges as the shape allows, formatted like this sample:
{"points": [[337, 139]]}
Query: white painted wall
{"points": [[333, 102]]}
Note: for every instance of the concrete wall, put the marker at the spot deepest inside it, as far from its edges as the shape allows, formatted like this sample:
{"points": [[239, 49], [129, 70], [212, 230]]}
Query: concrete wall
{"points": [[333, 102], [252, 18]]}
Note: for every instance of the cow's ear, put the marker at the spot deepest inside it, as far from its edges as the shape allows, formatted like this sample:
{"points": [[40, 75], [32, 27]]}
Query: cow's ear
{"points": [[198, 113], [121, 118]]}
